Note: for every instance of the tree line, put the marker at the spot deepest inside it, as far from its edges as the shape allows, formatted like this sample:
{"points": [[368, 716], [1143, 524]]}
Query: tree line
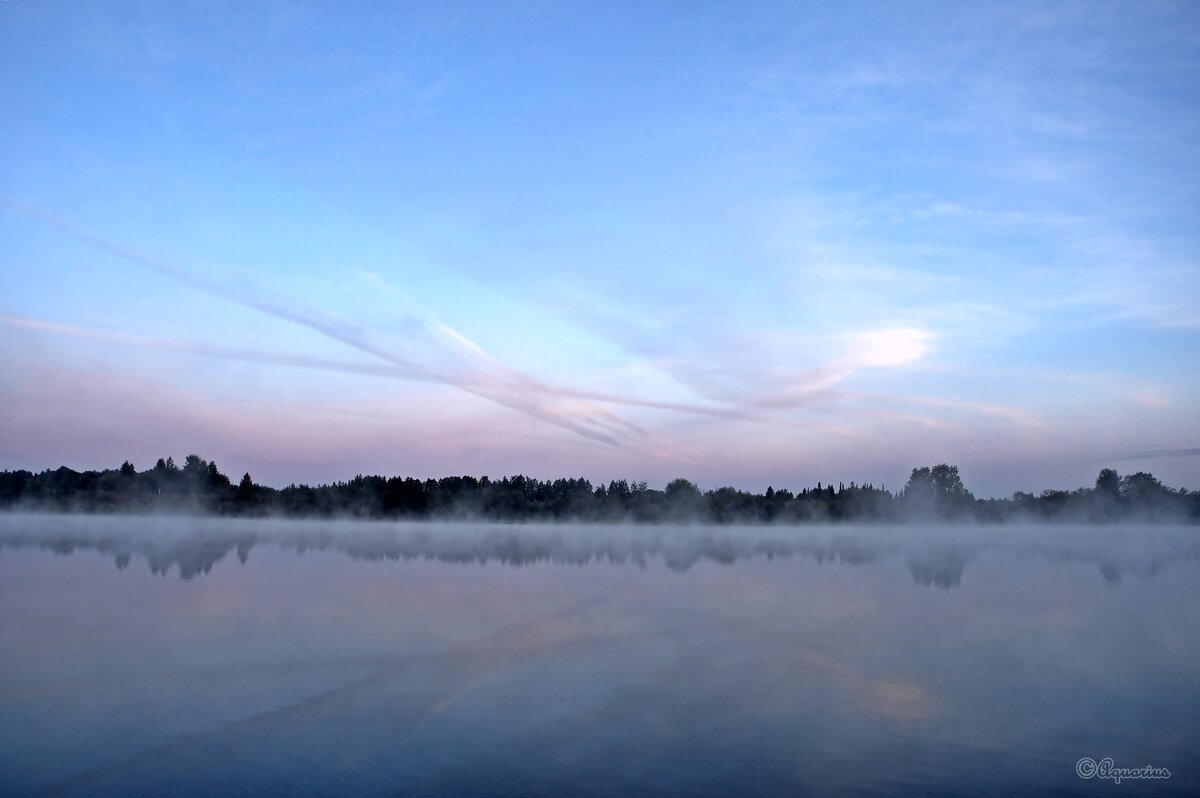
{"points": [[932, 492]]}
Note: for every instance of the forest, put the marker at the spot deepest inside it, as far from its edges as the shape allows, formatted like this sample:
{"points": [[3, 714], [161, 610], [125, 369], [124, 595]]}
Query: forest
{"points": [[931, 493]]}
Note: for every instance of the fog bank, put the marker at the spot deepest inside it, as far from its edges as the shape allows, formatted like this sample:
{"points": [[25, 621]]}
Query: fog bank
{"points": [[935, 555]]}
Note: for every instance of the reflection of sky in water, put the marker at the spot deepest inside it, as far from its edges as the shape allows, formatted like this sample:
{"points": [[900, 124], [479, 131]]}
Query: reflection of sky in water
{"points": [[699, 666]]}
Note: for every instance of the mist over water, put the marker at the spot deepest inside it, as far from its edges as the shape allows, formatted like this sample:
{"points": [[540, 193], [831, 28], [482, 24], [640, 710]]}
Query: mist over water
{"points": [[935, 554], [366, 658]]}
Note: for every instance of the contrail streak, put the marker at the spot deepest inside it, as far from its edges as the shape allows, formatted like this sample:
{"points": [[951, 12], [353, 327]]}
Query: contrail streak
{"points": [[497, 383], [323, 364], [508, 387], [206, 350]]}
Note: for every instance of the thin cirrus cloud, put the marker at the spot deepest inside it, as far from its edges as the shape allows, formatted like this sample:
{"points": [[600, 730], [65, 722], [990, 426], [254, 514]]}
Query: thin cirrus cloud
{"points": [[766, 392], [445, 356], [463, 366], [759, 373], [391, 371], [1157, 453], [890, 347], [457, 361], [882, 348]]}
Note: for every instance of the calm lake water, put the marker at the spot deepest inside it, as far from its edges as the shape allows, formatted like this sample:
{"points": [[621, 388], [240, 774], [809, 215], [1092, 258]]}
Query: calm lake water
{"points": [[177, 657]]}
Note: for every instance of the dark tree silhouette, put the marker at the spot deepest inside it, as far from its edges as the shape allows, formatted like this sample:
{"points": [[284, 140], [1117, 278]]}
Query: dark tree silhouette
{"points": [[931, 492], [245, 490], [1108, 484], [1141, 488], [683, 499], [937, 490]]}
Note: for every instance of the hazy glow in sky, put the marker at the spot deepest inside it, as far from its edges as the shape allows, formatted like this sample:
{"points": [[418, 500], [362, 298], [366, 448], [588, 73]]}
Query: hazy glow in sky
{"points": [[744, 243]]}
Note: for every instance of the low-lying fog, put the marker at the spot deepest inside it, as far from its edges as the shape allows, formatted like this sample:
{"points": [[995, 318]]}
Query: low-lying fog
{"points": [[934, 554]]}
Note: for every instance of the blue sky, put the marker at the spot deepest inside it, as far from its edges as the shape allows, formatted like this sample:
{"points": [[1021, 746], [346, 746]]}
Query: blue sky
{"points": [[745, 243]]}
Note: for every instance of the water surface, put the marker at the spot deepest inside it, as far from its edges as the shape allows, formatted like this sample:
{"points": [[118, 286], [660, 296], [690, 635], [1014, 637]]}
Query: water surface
{"points": [[171, 656]]}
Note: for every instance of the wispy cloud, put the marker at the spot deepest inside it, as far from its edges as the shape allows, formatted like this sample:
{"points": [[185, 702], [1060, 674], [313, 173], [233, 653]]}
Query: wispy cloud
{"points": [[1015, 415], [1157, 453], [487, 379], [207, 350], [737, 388], [340, 366]]}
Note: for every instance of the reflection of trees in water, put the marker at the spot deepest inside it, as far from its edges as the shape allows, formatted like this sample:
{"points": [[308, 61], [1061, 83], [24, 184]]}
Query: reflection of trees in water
{"points": [[941, 567], [938, 558]]}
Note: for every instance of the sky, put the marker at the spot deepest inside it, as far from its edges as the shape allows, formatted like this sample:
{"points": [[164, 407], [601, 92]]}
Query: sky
{"points": [[748, 244]]}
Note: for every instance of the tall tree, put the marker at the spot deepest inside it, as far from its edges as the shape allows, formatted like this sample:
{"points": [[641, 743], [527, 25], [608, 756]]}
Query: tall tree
{"points": [[1108, 484]]}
